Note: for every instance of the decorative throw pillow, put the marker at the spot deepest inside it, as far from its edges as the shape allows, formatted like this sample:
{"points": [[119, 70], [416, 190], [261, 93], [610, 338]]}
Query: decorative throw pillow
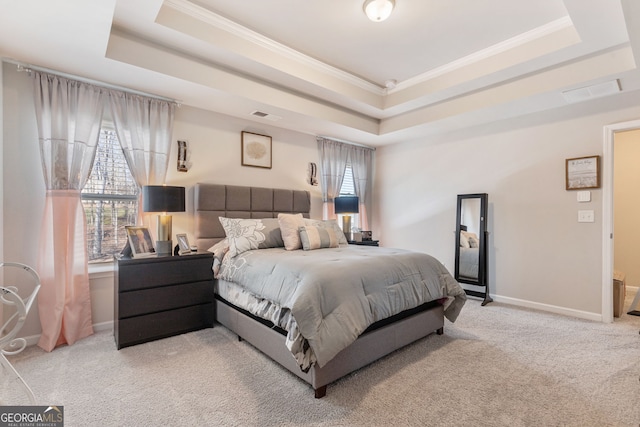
{"points": [[474, 242], [464, 242], [289, 225], [329, 224], [317, 238], [219, 250], [243, 234]]}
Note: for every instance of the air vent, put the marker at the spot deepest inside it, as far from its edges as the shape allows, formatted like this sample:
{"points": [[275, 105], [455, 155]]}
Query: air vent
{"points": [[267, 116], [590, 92]]}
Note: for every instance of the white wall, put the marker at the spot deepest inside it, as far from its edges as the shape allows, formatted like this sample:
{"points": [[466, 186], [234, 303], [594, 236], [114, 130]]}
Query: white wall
{"points": [[626, 197], [539, 255], [214, 144]]}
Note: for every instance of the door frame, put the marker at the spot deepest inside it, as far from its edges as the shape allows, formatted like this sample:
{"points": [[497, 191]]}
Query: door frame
{"points": [[607, 214]]}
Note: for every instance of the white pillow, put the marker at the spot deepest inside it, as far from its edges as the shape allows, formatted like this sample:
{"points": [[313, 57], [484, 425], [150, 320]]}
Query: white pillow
{"points": [[243, 234], [464, 242], [289, 226], [474, 242]]}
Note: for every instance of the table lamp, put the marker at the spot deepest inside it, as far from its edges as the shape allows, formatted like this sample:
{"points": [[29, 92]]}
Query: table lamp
{"points": [[163, 199], [346, 205]]}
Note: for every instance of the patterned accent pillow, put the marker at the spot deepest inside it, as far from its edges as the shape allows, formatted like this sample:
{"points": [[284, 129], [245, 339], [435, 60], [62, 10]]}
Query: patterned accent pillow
{"points": [[219, 250], [289, 225], [317, 238], [243, 234], [330, 224]]}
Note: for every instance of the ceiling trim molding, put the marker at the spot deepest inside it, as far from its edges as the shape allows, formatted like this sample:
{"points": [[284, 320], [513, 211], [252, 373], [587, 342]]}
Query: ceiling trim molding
{"points": [[497, 49], [224, 24]]}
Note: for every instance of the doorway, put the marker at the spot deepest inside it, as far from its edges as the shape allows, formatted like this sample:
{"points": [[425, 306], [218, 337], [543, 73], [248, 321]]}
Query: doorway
{"points": [[607, 214]]}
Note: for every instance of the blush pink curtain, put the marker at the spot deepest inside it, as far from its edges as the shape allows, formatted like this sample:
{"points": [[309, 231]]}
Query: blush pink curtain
{"points": [[63, 302], [69, 114]]}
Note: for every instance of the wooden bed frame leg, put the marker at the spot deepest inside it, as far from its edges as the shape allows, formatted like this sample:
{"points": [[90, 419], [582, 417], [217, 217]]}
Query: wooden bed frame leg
{"points": [[440, 330], [321, 392]]}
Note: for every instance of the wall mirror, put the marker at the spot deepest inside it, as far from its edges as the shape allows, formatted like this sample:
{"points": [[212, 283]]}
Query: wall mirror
{"points": [[471, 244]]}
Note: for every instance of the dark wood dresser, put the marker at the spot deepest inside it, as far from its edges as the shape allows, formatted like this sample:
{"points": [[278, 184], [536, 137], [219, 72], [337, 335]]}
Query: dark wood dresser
{"points": [[162, 296]]}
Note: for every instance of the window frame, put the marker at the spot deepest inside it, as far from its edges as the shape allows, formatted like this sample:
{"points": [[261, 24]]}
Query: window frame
{"points": [[107, 256]]}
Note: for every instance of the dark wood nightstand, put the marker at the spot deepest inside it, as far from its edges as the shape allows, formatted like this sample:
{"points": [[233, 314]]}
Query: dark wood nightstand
{"points": [[365, 243], [162, 296]]}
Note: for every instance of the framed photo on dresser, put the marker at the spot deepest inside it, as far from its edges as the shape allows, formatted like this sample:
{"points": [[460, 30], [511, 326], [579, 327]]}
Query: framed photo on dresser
{"points": [[140, 242]]}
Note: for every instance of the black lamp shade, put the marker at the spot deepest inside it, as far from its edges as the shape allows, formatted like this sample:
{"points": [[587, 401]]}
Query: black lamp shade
{"points": [[346, 204], [162, 198]]}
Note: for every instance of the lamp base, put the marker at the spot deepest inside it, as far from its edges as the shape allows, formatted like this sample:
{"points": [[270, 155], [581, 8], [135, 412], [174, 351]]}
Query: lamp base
{"points": [[346, 226], [164, 247]]}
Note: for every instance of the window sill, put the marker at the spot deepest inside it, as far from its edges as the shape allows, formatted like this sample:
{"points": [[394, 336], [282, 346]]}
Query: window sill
{"points": [[101, 270]]}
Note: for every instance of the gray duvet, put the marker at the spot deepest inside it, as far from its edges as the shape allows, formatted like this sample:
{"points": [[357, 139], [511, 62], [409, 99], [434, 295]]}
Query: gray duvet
{"points": [[333, 295]]}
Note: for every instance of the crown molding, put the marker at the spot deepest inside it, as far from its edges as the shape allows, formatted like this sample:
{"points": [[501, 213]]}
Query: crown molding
{"points": [[260, 40]]}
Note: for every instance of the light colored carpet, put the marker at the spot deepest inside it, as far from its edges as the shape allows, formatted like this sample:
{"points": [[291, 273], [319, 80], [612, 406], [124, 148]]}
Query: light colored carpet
{"points": [[498, 365]]}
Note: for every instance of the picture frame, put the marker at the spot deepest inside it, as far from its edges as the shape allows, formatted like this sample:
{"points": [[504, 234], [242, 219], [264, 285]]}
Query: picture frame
{"points": [[256, 150], [140, 242], [582, 173], [183, 244]]}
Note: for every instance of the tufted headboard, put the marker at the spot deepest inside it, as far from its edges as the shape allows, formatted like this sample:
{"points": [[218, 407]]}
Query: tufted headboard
{"points": [[214, 200]]}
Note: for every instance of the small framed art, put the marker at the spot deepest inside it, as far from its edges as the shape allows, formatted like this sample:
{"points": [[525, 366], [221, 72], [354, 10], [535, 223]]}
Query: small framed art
{"points": [[583, 172], [183, 244], [256, 150], [140, 242]]}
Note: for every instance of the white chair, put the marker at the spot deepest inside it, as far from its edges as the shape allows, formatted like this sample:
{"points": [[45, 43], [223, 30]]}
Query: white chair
{"points": [[17, 310]]}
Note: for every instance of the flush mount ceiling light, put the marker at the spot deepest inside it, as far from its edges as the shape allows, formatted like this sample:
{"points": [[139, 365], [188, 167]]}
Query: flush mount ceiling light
{"points": [[378, 10]]}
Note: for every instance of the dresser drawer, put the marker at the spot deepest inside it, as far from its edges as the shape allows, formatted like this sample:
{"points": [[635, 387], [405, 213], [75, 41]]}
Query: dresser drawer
{"points": [[139, 329], [143, 275], [135, 303]]}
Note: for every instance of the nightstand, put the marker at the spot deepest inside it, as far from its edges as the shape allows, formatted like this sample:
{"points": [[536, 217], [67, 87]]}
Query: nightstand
{"points": [[162, 296], [365, 243]]}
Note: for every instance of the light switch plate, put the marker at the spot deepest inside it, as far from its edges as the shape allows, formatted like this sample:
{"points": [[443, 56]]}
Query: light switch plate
{"points": [[586, 216], [584, 196]]}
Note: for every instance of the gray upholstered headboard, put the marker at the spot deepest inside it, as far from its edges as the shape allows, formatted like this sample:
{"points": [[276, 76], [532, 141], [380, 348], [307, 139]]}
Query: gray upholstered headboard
{"points": [[214, 200]]}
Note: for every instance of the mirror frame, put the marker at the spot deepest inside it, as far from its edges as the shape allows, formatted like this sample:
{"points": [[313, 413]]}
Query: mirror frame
{"points": [[482, 246]]}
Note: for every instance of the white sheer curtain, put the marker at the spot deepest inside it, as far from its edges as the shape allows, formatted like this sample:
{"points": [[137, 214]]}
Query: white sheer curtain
{"points": [[361, 166], [144, 127], [334, 156], [68, 115]]}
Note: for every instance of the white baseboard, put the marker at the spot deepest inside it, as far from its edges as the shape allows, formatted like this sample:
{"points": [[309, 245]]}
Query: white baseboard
{"points": [[550, 308], [98, 327]]}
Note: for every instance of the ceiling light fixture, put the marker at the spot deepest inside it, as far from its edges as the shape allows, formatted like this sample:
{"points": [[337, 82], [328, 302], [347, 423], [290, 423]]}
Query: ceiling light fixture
{"points": [[378, 10]]}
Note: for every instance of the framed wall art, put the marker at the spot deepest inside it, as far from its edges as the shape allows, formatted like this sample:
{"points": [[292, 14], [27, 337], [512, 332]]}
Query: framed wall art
{"points": [[583, 172], [256, 150]]}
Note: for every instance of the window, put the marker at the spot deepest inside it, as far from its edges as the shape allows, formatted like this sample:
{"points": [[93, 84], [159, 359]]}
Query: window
{"points": [[348, 187], [110, 199]]}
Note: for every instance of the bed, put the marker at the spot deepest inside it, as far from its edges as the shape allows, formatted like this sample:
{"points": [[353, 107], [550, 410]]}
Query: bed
{"points": [[316, 334]]}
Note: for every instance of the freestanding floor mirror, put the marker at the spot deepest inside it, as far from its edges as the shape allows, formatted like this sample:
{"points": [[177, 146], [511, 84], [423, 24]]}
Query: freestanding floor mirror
{"points": [[471, 244]]}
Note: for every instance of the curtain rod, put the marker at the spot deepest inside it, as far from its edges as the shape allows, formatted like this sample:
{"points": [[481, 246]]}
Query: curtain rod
{"points": [[346, 142], [23, 66]]}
